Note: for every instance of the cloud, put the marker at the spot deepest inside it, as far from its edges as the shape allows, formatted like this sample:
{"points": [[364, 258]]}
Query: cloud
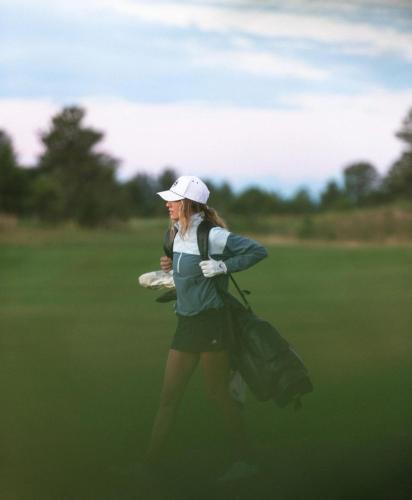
{"points": [[311, 142], [220, 52], [254, 18], [268, 23], [259, 63]]}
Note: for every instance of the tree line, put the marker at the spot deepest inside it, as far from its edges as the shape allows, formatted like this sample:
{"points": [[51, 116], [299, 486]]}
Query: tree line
{"points": [[73, 181]]}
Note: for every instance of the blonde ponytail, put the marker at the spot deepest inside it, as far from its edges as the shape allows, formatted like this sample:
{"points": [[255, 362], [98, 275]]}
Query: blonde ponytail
{"points": [[212, 215]]}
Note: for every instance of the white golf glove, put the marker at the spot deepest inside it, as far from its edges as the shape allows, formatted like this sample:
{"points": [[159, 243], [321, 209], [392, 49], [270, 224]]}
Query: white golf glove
{"points": [[212, 268]]}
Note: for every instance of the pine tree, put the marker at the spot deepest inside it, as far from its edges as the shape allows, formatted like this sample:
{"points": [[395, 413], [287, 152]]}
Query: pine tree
{"points": [[13, 181], [78, 181]]}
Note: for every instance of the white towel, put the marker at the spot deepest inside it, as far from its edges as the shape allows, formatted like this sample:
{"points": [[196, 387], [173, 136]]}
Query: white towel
{"points": [[157, 279]]}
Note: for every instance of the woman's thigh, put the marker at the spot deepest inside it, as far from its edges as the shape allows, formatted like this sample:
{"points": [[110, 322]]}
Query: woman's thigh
{"points": [[179, 368], [216, 373]]}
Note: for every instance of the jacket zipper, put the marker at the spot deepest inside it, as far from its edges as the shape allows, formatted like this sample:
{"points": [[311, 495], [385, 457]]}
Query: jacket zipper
{"points": [[178, 262]]}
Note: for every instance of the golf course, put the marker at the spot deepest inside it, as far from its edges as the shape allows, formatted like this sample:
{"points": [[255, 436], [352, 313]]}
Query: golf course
{"points": [[82, 354]]}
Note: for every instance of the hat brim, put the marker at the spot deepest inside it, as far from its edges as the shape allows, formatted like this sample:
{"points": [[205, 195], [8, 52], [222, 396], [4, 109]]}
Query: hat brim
{"points": [[170, 195]]}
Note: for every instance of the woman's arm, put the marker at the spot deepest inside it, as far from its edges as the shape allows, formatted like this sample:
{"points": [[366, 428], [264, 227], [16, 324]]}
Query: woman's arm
{"points": [[237, 252]]}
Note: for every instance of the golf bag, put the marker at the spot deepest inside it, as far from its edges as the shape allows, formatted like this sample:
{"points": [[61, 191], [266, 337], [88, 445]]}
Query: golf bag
{"points": [[268, 364]]}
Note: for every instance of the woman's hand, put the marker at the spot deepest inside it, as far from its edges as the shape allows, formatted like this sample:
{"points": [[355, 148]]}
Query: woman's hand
{"points": [[212, 268], [166, 264]]}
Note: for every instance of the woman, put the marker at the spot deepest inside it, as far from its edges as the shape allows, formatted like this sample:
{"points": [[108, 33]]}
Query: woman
{"points": [[201, 333]]}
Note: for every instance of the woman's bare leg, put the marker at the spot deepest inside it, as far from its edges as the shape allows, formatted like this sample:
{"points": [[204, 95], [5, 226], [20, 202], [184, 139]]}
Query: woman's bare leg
{"points": [[216, 371], [179, 368]]}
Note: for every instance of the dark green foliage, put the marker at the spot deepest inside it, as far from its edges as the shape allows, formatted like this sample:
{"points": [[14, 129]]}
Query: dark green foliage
{"points": [[301, 202], [256, 201], [76, 182], [398, 182], [361, 180], [68, 144], [405, 133], [14, 186], [142, 190], [221, 196], [333, 197], [47, 198]]}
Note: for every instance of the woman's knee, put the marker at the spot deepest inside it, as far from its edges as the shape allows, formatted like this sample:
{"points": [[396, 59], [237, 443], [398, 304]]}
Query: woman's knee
{"points": [[179, 368], [216, 376], [169, 399]]}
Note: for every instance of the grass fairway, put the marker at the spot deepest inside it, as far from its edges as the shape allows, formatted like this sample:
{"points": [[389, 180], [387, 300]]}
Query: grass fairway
{"points": [[82, 358]]}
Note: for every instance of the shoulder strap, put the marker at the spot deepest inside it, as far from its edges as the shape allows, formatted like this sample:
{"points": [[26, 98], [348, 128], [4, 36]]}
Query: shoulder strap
{"points": [[168, 240], [203, 231]]}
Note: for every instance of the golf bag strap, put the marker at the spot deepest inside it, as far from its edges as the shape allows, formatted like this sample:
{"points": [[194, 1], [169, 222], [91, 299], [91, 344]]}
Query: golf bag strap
{"points": [[241, 292]]}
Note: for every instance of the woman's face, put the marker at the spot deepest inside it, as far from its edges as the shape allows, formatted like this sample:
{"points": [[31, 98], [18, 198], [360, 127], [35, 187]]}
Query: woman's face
{"points": [[174, 209]]}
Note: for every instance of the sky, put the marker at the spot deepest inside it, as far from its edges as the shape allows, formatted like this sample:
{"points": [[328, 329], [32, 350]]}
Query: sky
{"points": [[279, 94]]}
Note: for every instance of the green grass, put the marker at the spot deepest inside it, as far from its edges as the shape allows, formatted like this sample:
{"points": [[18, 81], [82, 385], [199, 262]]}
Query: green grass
{"points": [[82, 357]]}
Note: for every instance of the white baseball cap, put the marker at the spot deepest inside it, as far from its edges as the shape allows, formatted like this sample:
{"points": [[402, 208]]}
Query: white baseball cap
{"points": [[187, 186]]}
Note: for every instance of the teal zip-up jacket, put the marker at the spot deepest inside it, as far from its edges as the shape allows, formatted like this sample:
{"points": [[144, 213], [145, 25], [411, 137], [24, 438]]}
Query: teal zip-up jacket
{"points": [[195, 293]]}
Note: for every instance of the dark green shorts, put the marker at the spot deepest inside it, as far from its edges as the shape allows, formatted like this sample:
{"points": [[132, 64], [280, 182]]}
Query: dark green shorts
{"points": [[203, 332]]}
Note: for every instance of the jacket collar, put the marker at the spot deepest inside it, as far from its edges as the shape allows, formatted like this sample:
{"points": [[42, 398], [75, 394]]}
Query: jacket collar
{"points": [[195, 220]]}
